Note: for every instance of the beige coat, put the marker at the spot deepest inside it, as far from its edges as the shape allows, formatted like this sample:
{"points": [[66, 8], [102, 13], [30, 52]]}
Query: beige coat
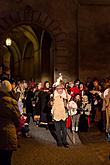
{"points": [[59, 111], [106, 103], [106, 107]]}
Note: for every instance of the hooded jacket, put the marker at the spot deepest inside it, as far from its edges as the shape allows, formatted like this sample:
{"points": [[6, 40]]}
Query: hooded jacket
{"points": [[9, 121]]}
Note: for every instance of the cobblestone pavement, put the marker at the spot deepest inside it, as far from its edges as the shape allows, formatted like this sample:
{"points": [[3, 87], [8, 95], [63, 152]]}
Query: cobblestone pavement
{"points": [[42, 149]]}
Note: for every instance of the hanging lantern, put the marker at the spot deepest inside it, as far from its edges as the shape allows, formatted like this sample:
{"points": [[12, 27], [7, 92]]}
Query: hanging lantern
{"points": [[8, 41]]}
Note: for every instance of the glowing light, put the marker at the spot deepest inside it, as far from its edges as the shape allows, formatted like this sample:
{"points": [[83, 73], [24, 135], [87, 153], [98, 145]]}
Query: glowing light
{"points": [[8, 41]]}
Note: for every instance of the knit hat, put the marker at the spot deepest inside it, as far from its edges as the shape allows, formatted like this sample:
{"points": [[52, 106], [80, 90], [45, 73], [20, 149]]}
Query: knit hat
{"points": [[60, 86], [6, 86]]}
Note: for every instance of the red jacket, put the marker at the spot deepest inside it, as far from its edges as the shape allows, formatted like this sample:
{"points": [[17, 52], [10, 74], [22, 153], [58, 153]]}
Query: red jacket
{"points": [[74, 90]]}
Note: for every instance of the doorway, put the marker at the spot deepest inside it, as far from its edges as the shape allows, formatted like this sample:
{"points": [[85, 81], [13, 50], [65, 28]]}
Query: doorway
{"points": [[29, 55]]}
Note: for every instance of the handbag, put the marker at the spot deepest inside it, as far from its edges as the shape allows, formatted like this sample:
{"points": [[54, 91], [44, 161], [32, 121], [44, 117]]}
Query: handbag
{"points": [[68, 121]]}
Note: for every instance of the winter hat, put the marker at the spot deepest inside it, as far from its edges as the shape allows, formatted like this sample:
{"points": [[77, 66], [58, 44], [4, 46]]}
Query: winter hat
{"points": [[60, 86], [6, 86]]}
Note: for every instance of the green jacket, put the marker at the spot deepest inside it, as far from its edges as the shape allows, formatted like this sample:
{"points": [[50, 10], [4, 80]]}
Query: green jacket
{"points": [[9, 121]]}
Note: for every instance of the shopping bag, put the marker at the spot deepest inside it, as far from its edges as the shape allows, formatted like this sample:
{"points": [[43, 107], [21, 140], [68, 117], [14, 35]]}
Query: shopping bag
{"points": [[68, 121]]}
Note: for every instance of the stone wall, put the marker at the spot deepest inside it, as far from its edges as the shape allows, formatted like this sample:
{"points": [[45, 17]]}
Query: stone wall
{"points": [[80, 30], [94, 38]]}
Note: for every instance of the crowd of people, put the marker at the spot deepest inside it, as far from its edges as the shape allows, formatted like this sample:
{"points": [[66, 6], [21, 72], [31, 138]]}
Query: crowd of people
{"points": [[87, 103]]}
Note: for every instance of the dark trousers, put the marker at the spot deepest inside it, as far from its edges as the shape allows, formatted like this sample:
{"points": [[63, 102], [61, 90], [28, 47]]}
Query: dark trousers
{"points": [[29, 115], [5, 157], [61, 132]]}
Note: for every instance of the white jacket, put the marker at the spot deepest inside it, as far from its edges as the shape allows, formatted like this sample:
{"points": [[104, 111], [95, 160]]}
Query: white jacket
{"points": [[72, 108]]}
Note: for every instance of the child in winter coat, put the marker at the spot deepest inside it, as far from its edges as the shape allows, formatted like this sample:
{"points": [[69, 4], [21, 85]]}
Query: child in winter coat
{"points": [[24, 126], [73, 107]]}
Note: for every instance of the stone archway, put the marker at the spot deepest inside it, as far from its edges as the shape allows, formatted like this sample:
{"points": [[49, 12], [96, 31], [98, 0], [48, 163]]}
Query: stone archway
{"points": [[29, 17]]}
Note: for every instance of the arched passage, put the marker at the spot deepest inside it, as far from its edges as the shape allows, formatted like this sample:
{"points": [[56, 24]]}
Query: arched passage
{"points": [[34, 18]]}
